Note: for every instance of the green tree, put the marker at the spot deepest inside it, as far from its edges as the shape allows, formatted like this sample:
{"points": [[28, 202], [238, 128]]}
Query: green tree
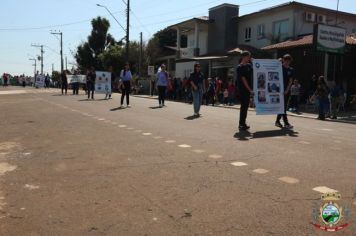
{"points": [[98, 41]]}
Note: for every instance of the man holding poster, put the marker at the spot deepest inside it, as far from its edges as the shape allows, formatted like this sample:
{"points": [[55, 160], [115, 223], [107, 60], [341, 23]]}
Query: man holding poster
{"points": [[288, 74], [244, 79]]}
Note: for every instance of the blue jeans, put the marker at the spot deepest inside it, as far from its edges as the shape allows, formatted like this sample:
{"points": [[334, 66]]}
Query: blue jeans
{"points": [[323, 107], [197, 99]]}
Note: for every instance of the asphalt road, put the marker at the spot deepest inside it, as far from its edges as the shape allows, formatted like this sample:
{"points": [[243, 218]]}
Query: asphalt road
{"points": [[69, 166]]}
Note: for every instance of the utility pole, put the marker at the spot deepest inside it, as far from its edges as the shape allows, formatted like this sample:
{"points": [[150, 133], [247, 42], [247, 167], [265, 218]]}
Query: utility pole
{"points": [[61, 34], [66, 63], [34, 72], [52, 68], [141, 57], [41, 58], [128, 31]]}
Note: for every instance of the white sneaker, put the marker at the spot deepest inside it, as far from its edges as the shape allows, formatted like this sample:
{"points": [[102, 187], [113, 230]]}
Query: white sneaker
{"points": [[128, 106]]}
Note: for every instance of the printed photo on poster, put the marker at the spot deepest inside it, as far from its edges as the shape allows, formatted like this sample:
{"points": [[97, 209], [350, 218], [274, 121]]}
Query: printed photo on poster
{"points": [[275, 99], [261, 80], [273, 76], [274, 87], [103, 82], [262, 96]]}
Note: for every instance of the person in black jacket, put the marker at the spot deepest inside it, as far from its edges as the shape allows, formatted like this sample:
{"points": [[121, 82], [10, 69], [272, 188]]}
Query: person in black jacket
{"points": [[64, 82], [244, 80], [91, 75]]}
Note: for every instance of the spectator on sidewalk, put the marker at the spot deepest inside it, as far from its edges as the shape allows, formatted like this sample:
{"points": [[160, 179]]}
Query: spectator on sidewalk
{"points": [[336, 96], [231, 90], [321, 95], [226, 97], [210, 94], [294, 96]]}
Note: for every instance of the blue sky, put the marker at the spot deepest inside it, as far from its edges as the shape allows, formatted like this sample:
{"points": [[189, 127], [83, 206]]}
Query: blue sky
{"points": [[72, 17]]}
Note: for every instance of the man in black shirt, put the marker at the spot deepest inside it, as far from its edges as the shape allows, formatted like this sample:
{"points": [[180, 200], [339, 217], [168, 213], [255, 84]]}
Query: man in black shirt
{"points": [[91, 82], [288, 75], [244, 80]]}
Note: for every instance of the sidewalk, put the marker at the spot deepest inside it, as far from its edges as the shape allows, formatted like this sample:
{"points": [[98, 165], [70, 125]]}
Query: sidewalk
{"points": [[344, 117]]}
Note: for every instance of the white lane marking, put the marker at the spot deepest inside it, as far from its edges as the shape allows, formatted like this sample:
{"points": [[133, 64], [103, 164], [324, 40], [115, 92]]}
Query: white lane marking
{"points": [[122, 126], [324, 189], [158, 137], [101, 119], [199, 151], [304, 142], [238, 163], [147, 134], [155, 218], [6, 167], [184, 146], [261, 171], [329, 130], [12, 92], [215, 156], [289, 180], [31, 187], [26, 153], [170, 141]]}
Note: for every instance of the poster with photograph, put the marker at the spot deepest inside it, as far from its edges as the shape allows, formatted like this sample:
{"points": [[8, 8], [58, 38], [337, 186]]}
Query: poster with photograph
{"points": [[268, 86], [40, 81], [103, 82]]}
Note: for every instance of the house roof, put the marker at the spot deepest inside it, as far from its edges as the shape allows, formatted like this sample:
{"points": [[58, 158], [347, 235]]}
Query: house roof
{"points": [[303, 41], [201, 19], [298, 4]]}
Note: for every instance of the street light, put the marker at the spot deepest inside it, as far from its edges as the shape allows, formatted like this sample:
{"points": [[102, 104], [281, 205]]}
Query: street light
{"points": [[99, 5], [127, 30]]}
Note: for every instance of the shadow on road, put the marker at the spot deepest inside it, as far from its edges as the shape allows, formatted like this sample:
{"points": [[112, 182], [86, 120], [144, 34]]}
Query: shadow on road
{"points": [[193, 117], [92, 100], [275, 133], [243, 135], [156, 107], [56, 95], [117, 108]]}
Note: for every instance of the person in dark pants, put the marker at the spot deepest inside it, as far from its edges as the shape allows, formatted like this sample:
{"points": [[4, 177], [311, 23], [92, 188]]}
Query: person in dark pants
{"points": [[91, 75], [126, 78], [64, 82], [162, 83], [244, 80], [288, 74]]}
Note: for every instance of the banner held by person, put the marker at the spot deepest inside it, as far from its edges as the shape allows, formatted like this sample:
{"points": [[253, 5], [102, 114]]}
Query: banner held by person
{"points": [[103, 82], [40, 81], [76, 79], [268, 86]]}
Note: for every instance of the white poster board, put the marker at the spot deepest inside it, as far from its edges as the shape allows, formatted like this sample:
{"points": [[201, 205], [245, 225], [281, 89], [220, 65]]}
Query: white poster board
{"points": [[103, 82], [151, 70], [268, 86], [40, 81], [76, 79]]}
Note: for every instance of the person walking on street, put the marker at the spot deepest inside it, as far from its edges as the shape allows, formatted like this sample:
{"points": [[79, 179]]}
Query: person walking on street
{"points": [[5, 80], [64, 82], [210, 94], [196, 80], [113, 78], [91, 76], [126, 78], [162, 83], [244, 80], [288, 75], [321, 94]]}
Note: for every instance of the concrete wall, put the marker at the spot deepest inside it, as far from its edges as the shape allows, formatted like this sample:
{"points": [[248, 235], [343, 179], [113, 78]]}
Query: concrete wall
{"points": [[203, 40], [183, 69], [266, 19], [222, 33]]}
